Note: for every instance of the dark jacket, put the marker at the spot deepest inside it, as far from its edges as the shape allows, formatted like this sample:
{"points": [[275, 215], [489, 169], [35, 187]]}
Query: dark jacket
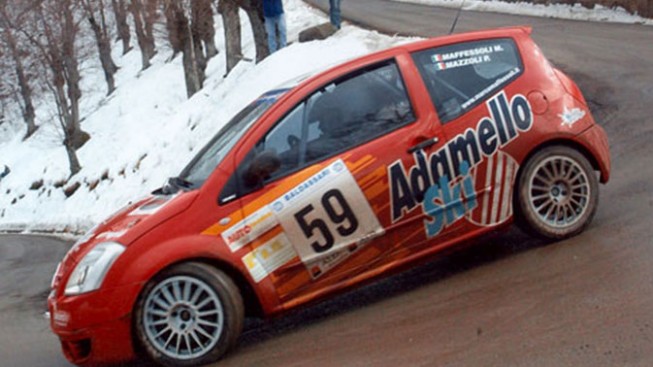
{"points": [[272, 8]]}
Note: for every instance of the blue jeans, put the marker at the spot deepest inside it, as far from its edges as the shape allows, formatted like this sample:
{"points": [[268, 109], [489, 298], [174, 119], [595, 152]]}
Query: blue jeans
{"points": [[334, 12], [272, 24]]}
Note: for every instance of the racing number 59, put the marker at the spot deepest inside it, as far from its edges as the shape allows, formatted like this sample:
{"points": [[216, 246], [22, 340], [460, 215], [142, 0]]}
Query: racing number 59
{"points": [[340, 214]]}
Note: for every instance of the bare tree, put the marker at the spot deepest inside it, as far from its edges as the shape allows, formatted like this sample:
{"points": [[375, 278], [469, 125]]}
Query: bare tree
{"points": [[120, 14], [15, 53], [186, 37], [174, 26], [232, 32], [254, 10], [144, 18], [100, 30], [203, 27], [232, 29], [53, 32]]}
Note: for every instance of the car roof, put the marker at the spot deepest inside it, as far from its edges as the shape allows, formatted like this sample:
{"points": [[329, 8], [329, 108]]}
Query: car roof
{"points": [[408, 47]]}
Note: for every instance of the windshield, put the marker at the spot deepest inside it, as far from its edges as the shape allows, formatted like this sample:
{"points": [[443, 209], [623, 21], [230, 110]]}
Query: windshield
{"points": [[212, 154]]}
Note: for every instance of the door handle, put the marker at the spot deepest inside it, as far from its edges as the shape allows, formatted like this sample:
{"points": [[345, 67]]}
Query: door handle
{"points": [[422, 145]]}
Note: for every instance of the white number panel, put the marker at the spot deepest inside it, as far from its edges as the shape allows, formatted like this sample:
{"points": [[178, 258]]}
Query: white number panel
{"points": [[325, 217]]}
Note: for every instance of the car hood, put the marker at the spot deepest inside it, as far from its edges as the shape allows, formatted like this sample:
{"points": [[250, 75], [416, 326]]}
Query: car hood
{"points": [[132, 221]]}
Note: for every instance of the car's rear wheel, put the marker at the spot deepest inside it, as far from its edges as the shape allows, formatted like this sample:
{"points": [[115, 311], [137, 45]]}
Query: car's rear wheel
{"points": [[557, 194], [189, 315]]}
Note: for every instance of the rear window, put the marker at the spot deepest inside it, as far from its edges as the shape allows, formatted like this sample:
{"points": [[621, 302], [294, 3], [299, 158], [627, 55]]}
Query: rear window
{"points": [[459, 77]]}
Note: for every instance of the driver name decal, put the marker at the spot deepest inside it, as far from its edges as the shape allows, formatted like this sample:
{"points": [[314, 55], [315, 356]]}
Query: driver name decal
{"points": [[478, 55]]}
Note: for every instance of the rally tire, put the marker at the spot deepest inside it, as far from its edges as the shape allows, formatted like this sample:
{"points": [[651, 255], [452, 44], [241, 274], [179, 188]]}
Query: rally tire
{"points": [[557, 193], [188, 315]]}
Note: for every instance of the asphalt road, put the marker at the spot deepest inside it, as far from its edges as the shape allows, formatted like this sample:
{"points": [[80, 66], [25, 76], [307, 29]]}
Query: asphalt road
{"points": [[507, 301], [26, 267]]}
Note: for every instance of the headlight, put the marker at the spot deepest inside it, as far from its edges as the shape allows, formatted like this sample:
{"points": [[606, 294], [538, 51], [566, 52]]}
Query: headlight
{"points": [[90, 272]]}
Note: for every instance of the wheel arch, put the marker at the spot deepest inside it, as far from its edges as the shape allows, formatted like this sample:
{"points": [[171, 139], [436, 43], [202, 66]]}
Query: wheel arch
{"points": [[252, 303], [558, 142]]}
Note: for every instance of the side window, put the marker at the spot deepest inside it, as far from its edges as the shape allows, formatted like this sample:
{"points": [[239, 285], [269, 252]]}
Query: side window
{"points": [[356, 109], [339, 116], [460, 76]]}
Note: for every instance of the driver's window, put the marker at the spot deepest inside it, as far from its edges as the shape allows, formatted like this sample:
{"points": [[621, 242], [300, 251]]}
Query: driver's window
{"points": [[343, 114]]}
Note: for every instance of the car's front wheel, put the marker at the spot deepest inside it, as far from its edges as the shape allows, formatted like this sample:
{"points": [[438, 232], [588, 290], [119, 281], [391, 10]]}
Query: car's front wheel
{"points": [[557, 193], [189, 315]]}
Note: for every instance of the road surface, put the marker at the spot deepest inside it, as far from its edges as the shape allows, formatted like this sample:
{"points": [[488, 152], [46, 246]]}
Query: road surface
{"points": [[507, 301]]}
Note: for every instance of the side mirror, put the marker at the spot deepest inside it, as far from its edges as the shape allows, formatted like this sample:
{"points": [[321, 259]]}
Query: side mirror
{"points": [[263, 165]]}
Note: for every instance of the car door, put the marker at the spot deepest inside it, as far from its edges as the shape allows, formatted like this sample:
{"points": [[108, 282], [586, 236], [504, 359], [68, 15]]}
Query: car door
{"points": [[315, 190], [471, 85]]}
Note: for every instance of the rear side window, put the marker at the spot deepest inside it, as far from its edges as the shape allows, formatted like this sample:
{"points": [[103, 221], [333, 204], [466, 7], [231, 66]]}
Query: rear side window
{"points": [[459, 77]]}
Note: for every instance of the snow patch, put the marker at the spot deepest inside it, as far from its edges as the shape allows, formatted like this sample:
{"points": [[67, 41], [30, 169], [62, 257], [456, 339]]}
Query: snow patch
{"points": [[562, 11]]}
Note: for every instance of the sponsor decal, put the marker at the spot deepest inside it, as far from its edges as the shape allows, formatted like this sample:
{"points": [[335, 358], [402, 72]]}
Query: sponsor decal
{"points": [[496, 205], [490, 88], [249, 228], [442, 182], [571, 116], [446, 202], [269, 257], [302, 189]]}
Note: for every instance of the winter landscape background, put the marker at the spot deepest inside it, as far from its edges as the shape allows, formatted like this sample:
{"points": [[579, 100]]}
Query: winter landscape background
{"points": [[148, 129]]}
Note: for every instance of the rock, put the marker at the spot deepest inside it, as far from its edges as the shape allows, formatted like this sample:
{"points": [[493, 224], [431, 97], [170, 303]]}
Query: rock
{"points": [[318, 32]]}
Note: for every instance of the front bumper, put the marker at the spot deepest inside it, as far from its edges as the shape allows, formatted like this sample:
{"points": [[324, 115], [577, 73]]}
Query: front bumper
{"points": [[95, 328]]}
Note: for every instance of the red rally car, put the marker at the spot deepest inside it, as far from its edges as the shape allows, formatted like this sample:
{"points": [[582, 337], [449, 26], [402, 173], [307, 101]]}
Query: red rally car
{"points": [[344, 177]]}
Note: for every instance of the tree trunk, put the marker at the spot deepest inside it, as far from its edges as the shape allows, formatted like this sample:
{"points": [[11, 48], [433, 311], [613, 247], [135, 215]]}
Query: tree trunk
{"points": [[232, 32], [72, 75], [174, 26], [103, 43], [73, 161], [120, 13], [254, 10], [150, 16], [193, 73], [143, 32], [25, 89], [203, 27], [194, 76]]}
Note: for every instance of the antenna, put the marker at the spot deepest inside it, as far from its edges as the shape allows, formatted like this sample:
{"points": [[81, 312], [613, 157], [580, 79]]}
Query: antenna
{"points": [[455, 21]]}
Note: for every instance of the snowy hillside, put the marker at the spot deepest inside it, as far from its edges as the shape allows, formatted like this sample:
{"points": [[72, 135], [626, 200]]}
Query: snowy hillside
{"points": [[147, 130]]}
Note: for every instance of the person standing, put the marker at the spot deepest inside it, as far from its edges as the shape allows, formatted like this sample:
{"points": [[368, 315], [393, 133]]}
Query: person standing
{"points": [[334, 13], [275, 21]]}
